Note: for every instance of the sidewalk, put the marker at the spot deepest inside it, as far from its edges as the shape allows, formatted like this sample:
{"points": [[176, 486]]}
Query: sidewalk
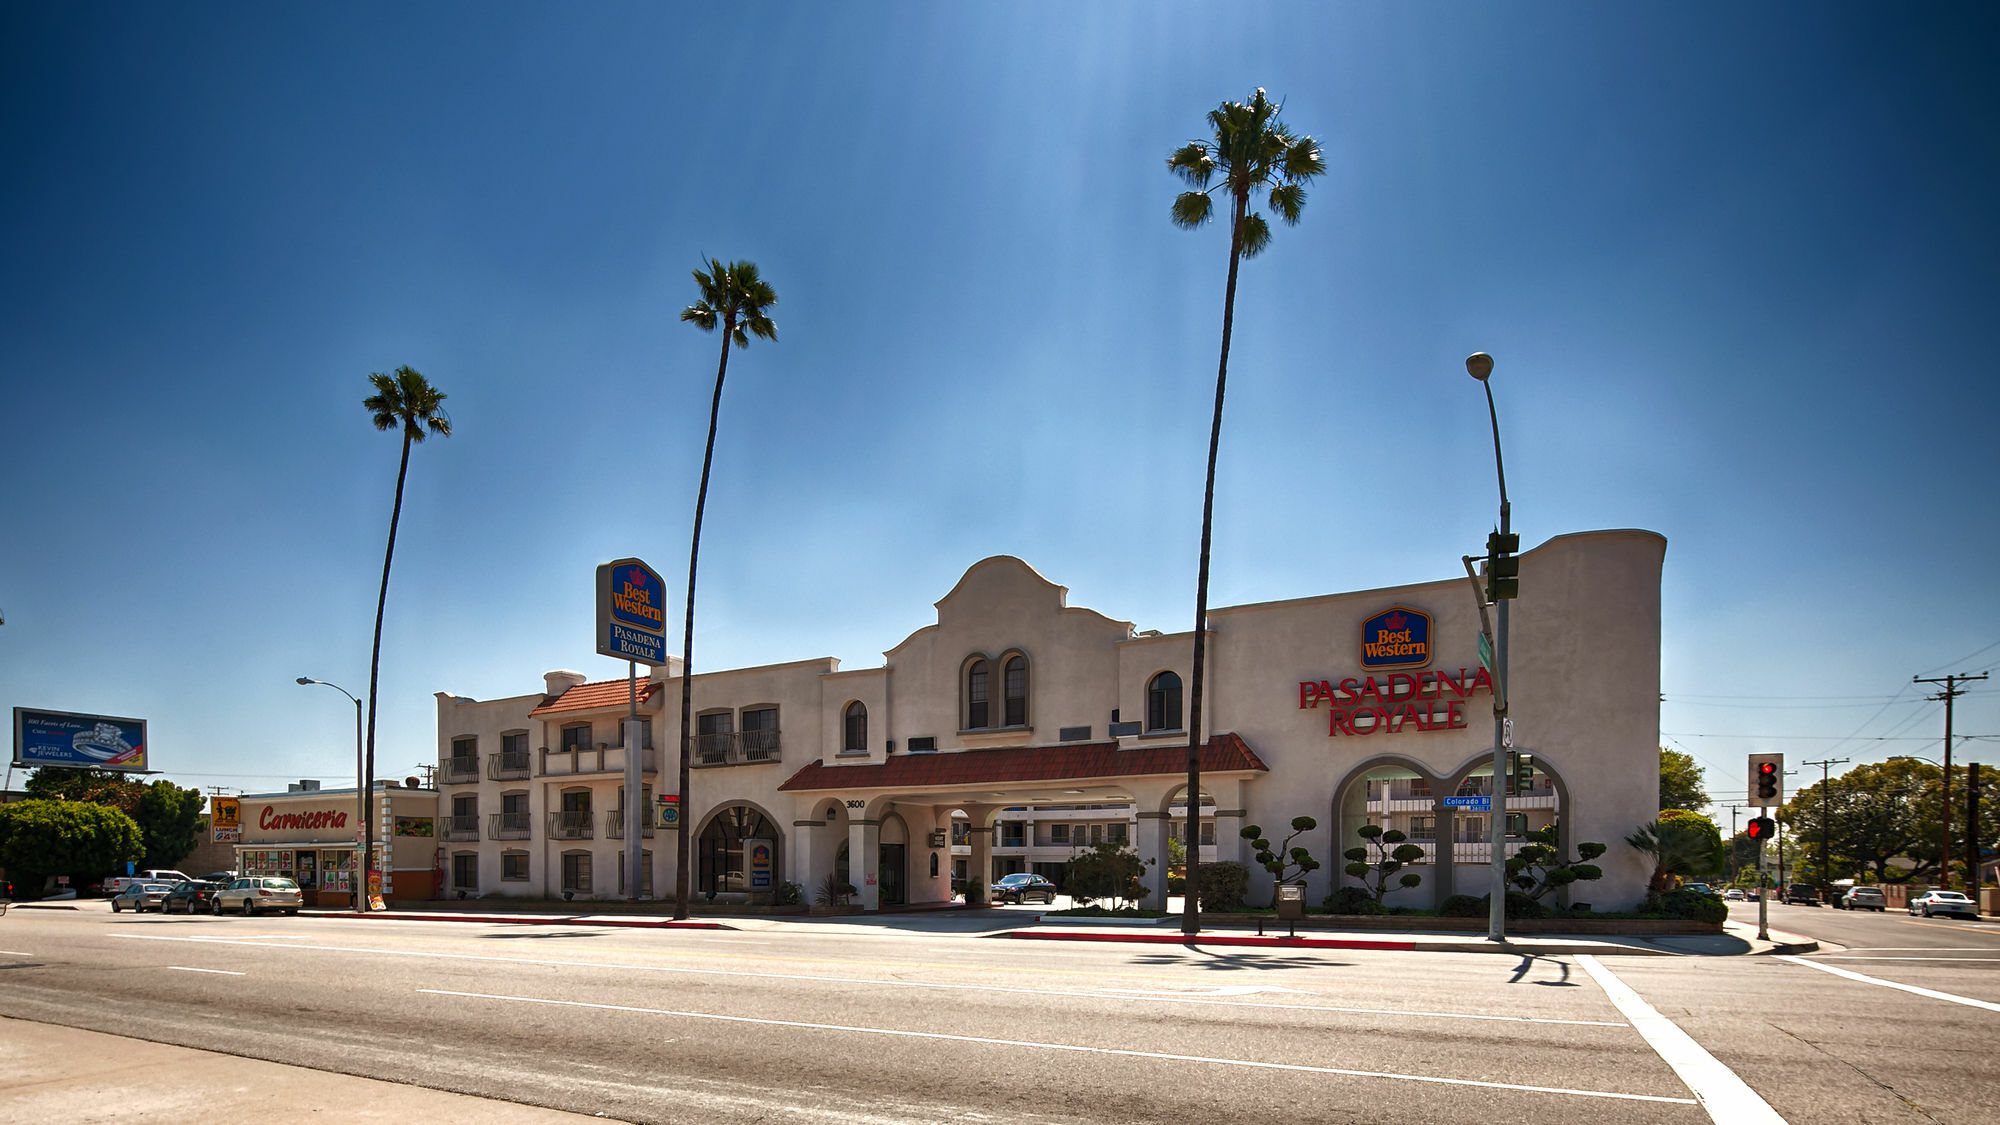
{"points": [[53, 1073]]}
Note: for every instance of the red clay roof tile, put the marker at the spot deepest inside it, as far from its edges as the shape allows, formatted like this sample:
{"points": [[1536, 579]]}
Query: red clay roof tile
{"points": [[1224, 753], [587, 697]]}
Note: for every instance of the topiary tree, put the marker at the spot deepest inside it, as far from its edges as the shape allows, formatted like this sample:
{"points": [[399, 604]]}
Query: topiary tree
{"points": [[1374, 875], [1285, 862], [1539, 868]]}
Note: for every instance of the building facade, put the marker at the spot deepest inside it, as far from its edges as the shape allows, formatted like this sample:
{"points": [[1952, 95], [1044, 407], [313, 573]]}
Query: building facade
{"points": [[312, 835], [983, 740]]}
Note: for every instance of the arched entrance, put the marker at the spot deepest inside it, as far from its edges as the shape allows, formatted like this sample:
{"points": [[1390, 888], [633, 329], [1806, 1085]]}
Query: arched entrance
{"points": [[722, 865], [893, 870]]}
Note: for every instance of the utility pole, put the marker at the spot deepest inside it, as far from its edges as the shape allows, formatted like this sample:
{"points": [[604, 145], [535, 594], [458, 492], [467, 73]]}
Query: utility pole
{"points": [[1825, 821], [1951, 691]]}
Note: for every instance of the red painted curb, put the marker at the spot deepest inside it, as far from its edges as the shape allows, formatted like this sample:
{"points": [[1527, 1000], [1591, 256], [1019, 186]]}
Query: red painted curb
{"points": [[1218, 939], [538, 920]]}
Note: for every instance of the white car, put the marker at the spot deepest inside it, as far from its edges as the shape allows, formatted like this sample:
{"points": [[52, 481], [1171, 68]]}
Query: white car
{"points": [[254, 893], [1734, 894], [1943, 902], [140, 897]]}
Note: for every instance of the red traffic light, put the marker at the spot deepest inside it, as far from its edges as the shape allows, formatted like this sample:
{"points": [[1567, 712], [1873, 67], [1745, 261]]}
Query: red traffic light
{"points": [[1767, 768], [1760, 828]]}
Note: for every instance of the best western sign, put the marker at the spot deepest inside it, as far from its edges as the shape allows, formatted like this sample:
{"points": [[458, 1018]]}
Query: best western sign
{"points": [[631, 612], [1398, 637]]}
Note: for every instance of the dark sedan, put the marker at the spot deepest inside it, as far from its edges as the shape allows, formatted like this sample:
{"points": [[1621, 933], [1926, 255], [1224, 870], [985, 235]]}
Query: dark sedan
{"points": [[189, 897], [1021, 887]]}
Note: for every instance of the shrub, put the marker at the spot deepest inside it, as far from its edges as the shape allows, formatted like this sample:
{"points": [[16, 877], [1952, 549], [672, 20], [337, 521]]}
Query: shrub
{"points": [[1176, 884], [1374, 875], [1223, 885], [1285, 862], [787, 894], [1694, 905], [1539, 867], [1352, 900], [1462, 906], [1107, 871], [833, 891]]}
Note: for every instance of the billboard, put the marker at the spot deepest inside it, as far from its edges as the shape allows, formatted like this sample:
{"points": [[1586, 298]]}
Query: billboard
{"points": [[62, 738], [631, 612]]}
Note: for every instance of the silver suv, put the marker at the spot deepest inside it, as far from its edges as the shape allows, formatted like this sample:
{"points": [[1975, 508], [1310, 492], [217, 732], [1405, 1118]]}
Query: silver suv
{"points": [[254, 893]]}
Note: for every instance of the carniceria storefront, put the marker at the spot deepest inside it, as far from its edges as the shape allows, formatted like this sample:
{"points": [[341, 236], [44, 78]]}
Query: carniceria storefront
{"points": [[312, 835]]}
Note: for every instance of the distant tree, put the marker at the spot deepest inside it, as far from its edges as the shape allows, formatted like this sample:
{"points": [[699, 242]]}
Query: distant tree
{"points": [[166, 813], [1681, 782], [80, 839], [736, 298], [1107, 871], [406, 401], [1248, 150], [115, 788]]}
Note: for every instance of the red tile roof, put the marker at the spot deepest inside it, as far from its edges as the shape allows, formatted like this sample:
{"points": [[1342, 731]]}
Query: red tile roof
{"points": [[587, 697], [1079, 761]]}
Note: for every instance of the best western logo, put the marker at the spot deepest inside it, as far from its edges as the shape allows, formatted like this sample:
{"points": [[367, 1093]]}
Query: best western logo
{"points": [[632, 599], [1398, 637]]}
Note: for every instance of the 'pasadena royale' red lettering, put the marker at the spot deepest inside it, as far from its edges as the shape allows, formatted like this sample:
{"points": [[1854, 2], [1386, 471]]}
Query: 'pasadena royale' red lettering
{"points": [[270, 820]]}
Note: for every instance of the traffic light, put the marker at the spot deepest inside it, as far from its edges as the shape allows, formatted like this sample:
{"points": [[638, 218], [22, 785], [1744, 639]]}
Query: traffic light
{"points": [[1503, 570], [1522, 767], [1767, 780], [1761, 828]]}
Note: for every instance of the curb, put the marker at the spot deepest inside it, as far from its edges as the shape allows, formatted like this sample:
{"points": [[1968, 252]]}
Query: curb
{"points": [[1403, 945], [534, 920]]}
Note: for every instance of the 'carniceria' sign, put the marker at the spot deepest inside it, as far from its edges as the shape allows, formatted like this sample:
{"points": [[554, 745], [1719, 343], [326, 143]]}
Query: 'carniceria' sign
{"points": [[631, 612]]}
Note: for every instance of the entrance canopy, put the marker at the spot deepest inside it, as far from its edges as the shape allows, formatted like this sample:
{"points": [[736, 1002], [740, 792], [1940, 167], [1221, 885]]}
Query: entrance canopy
{"points": [[1027, 775]]}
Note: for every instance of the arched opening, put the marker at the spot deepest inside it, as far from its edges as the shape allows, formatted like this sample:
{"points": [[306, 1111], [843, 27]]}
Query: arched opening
{"points": [[854, 733], [892, 872], [1163, 702], [1402, 796], [724, 863]]}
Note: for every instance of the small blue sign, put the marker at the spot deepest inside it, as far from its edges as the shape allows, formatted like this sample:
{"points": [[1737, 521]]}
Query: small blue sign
{"points": [[1478, 804], [1398, 637]]}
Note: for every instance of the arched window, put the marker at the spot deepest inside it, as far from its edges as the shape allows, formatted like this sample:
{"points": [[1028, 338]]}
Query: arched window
{"points": [[978, 707], [856, 738], [1163, 702], [1015, 687], [720, 848]]}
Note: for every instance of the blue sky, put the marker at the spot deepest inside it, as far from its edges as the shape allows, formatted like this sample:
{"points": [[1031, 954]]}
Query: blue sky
{"points": [[1737, 268]]}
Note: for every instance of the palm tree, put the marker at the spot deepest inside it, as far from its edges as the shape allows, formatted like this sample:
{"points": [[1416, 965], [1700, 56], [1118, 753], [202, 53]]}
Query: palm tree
{"points": [[407, 399], [735, 297], [1249, 151]]}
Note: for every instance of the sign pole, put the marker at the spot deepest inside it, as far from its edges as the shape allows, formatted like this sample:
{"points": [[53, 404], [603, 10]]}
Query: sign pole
{"points": [[634, 804]]}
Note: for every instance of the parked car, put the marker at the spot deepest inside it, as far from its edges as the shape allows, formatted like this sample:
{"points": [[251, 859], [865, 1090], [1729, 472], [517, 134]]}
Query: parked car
{"points": [[1698, 888], [254, 893], [1862, 898], [1020, 887], [1802, 894], [152, 875], [1734, 894], [191, 896], [1943, 902], [140, 897]]}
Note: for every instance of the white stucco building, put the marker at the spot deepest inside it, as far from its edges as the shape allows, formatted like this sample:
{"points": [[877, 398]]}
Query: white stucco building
{"points": [[1342, 707]]}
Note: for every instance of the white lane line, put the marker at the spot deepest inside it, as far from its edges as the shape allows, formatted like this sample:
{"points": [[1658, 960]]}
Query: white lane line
{"points": [[14, 953], [935, 1035], [875, 981], [1954, 960], [191, 969], [1932, 993], [1727, 1099]]}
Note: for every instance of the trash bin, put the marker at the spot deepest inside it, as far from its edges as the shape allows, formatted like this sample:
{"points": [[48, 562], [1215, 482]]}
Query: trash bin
{"points": [[1291, 902]]}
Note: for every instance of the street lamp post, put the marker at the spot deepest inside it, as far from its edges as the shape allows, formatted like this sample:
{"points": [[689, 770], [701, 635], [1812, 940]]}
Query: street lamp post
{"points": [[362, 811], [1479, 365]]}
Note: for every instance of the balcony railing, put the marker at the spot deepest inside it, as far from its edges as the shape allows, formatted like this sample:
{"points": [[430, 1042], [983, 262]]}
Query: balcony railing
{"points": [[461, 827], [509, 825], [509, 765], [459, 770], [600, 759], [572, 826], [735, 748], [614, 825]]}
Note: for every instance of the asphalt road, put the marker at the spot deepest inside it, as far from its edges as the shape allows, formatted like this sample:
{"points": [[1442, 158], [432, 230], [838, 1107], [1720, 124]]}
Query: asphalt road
{"points": [[886, 1026]]}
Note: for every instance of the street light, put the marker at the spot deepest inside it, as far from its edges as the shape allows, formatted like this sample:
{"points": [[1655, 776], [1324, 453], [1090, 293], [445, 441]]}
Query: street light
{"points": [[1479, 365], [362, 810]]}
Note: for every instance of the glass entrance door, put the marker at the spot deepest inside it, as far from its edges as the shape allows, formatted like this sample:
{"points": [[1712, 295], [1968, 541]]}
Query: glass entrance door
{"points": [[892, 876]]}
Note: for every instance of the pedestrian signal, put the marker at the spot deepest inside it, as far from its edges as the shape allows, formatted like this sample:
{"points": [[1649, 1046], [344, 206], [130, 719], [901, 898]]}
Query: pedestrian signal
{"points": [[1761, 828]]}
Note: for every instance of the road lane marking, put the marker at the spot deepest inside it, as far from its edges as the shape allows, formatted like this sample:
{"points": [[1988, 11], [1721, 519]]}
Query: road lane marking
{"points": [[875, 981], [191, 969], [1930, 992], [1958, 960], [14, 953], [1727, 1099], [1073, 1048]]}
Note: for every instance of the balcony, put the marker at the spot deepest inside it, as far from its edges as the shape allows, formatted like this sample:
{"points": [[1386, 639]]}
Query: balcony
{"points": [[735, 748], [509, 765], [461, 827], [458, 771], [509, 825], [581, 761], [572, 825], [614, 826]]}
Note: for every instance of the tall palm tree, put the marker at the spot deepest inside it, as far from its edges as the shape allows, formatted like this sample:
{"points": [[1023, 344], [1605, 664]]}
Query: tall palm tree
{"points": [[1250, 150], [735, 297], [408, 400]]}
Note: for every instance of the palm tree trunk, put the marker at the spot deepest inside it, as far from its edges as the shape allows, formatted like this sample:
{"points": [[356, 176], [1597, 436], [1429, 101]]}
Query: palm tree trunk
{"points": [[1190, 902], [367, 778], [681, 865]]}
